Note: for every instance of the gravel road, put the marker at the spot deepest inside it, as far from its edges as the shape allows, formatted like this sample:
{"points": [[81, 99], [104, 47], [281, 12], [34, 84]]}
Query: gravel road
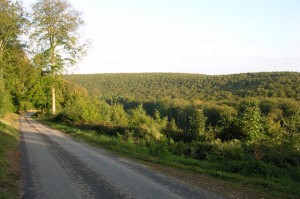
{"points": [[57, 166]]}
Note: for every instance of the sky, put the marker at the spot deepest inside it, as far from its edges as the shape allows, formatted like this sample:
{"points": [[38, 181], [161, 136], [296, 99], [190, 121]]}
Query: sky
{"points": [[189, 36]]}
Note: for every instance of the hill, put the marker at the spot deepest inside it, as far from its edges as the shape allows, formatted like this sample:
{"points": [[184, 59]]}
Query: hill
{"points": [[143, 86]]}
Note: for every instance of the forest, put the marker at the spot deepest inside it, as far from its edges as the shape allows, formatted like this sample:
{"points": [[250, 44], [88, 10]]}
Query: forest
{"points": [[240, 124], [248, 123], [222, 100], [157, 86]]}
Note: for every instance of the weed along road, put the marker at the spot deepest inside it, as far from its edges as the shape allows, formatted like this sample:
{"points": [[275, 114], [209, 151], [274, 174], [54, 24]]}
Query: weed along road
{"points": [[57, 166]]}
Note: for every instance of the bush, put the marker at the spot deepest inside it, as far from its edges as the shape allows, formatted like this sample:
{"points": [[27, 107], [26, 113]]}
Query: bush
{"points": [[158, 148], [64, 117], [231, 129], [200, 150], [260, 168], [231, 150], [180, 149]]}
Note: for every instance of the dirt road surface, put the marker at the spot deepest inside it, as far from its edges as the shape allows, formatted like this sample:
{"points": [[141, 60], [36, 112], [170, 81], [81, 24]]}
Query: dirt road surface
{"points": [[57, 166]]}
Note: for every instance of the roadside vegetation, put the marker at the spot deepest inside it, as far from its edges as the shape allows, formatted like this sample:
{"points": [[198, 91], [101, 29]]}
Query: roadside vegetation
{"points": [[261, 178], [10, 172], [256, 149]]}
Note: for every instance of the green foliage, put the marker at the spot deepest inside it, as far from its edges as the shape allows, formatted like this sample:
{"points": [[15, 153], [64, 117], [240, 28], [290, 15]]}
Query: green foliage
{"points": [[191, 87], [64, 22], [229, 150], [226, 160], [197, 125], [40, 93], [139, 117], [149, 128], [15, 70], [6, 105], [158, 148], [200, 150], [242, 129], [25, 106], [252, 124], [292, 128], [180, 149], [55, 34], [173, 132], [231, 129], [118, 116], [78, 109]]}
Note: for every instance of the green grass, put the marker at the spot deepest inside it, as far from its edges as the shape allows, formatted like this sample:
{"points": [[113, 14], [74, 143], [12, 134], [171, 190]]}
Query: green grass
{"points": [[256, 176], [9, 168]]}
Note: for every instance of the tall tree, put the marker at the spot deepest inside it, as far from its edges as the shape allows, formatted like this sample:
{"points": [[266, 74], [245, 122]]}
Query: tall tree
{"points": [[12, 56], [12, 21], [56, 34]]}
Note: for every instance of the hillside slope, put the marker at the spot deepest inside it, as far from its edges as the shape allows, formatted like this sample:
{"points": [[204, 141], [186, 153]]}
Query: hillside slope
{"points": [[190, 86]]}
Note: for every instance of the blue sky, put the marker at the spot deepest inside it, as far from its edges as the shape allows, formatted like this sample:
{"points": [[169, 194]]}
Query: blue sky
{"points": [[193, 36]]}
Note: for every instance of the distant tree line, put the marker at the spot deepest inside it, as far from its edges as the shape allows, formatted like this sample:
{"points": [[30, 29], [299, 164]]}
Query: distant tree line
{"points": [[157, 86]]}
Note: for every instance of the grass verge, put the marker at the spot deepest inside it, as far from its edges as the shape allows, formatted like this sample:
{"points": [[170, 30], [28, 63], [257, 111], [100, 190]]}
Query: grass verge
{"points": [[10, 172], [232, 174]]}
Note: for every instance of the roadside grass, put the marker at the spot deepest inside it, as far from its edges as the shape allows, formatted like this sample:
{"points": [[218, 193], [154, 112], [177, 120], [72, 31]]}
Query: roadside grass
{"points": [[266, 180], [9, 157]]}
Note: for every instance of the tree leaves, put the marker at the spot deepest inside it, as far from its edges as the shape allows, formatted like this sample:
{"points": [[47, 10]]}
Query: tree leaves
{"points": [[55, 29]]}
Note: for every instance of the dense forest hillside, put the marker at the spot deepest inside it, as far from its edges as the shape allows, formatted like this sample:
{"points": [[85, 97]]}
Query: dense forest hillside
{"points": [[244, 124], [191, 86]]}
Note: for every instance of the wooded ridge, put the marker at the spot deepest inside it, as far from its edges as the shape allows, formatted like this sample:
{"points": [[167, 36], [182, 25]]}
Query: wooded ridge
{"points": [[190, 86]]}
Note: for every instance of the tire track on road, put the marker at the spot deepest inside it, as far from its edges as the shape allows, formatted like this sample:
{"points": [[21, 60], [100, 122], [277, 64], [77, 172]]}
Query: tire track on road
{"points": [[90, 183]]}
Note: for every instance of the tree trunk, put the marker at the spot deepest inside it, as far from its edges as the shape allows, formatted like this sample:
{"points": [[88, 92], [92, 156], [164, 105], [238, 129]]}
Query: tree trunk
{"points": [[52, 44], [53, 101], [1, 53], [53, 86]]}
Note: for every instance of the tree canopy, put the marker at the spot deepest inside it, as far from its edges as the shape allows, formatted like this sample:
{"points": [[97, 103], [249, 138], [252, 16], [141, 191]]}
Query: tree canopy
{"points": [[55, 32], [191, 86]]}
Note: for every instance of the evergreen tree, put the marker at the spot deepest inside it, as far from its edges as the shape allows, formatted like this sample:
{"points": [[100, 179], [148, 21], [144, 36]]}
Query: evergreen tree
{"points": [[252, 126], [197, 125]]}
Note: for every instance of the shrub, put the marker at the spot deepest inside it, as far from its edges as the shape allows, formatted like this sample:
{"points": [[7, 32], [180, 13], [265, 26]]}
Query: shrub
{"points": [[180, 148], [158, 147], [231, 129], [200, 150]]}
